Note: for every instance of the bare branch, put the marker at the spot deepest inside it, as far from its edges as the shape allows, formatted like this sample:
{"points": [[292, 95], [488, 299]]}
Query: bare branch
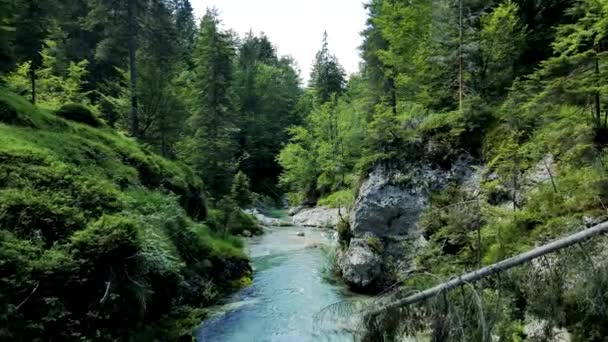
{"points": [[27, 298], [105, 295], [497, 267]]}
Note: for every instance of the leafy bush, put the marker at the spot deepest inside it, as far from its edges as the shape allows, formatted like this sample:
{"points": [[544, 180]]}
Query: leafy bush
{"points": [[93, 240], [339, 199], [240, 191], [79, 113], [228, 218]]}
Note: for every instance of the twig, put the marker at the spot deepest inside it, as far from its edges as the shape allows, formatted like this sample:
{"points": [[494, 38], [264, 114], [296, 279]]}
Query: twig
{"points": [[105, 295], [27, 298]]}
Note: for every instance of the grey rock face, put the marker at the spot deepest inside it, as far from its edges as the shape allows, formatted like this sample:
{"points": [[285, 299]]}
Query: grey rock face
{"points": [[541, 172], [321, 217], [360, 264], [384, 208], [387, 211]]}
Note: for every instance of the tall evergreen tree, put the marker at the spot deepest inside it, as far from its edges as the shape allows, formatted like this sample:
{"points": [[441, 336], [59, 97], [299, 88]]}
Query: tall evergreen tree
{"points": [[161, 113], [33, 25], [120, 22], [7, 29], [211, 149], [327, 77], [186, 28]]}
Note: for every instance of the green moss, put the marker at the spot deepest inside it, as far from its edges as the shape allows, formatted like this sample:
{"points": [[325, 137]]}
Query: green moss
{"points": [[375, 243], [243, 282]]}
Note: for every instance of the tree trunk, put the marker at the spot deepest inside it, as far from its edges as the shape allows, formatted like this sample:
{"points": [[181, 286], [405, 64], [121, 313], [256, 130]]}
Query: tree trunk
{"points": [[598, 109], [33, 83], [133, 116], [460, 60], [393, 92], [498, 267], [550, 174]]}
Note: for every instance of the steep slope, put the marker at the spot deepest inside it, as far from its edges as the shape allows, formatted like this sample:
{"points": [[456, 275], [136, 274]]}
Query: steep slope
{"points": [[100, 238]]}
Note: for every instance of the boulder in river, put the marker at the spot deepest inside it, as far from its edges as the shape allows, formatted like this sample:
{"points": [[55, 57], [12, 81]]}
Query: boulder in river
{"points": [[300, 233], [320, 217]]}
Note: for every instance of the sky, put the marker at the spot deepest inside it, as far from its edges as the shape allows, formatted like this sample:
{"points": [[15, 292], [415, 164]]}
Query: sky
{"points": [[296, 27]]}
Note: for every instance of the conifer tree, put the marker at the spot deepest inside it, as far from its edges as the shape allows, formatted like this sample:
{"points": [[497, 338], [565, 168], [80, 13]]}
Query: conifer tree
{"points": [[33, 24], [186, 28], [327, 77], [211, 148]]}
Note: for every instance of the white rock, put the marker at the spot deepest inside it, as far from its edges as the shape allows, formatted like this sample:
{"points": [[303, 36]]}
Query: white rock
{"points": [[321, 217]]}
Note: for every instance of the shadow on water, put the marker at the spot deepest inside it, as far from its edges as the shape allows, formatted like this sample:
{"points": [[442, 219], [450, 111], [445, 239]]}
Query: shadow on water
{"points": [[288, 289]]}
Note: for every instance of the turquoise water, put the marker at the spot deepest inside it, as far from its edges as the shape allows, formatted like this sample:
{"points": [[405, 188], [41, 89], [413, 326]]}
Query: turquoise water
{"points": [[288, 290]]}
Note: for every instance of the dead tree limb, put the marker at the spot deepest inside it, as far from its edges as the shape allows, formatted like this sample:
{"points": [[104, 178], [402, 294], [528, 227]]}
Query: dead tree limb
{"points": [[27, 298], [498, 267], [107, 291]]}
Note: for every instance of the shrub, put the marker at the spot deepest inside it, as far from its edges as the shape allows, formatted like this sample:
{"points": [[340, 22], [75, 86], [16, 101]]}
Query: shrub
{"points": [[240, 191], [109, 240], [79, 113], [227, 218], [344, 233]]}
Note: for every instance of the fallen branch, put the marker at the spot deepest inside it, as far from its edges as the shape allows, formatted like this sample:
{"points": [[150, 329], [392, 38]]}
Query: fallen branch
{"points": [[27, 298], [498, 267], [105, 295]]}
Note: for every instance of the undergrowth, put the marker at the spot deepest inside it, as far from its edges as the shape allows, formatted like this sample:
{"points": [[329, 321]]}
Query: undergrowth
{"points": [[100, 238]]}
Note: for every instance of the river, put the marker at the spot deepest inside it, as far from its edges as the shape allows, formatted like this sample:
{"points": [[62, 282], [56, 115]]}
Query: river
{"points": [[288, 290]]}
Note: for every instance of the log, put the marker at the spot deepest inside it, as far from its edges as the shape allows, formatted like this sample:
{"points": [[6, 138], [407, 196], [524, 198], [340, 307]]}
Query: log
{"points": [[498, 267]]}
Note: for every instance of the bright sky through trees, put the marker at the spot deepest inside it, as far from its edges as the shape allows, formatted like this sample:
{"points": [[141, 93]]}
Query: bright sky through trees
{"points": [[297, 26]]}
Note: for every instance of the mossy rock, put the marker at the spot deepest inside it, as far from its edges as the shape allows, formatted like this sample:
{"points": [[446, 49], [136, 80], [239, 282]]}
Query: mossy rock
{"points": [[79, 113]]}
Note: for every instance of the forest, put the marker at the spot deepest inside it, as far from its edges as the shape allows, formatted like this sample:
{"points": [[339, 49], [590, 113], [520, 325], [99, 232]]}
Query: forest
{"points": [[133, 136]]}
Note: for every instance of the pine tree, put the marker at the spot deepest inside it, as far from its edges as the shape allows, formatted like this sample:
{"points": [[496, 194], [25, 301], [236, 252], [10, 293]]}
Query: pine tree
{"points": [[7, 34], [120, 22], [186, 28], [33, 24], [240, 191], [211, 149], [161, 112], [267, 89], [327, 77], [502, 39]]}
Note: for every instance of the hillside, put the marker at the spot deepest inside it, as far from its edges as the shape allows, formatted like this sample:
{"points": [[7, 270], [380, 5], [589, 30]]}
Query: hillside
{"points": [[98, 236]]}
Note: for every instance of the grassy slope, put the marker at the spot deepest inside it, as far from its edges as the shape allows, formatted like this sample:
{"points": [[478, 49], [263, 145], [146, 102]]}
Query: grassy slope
{"points": [[98, 237]]}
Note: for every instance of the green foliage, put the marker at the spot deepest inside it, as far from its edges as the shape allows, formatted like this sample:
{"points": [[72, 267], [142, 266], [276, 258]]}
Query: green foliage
{"points": [[54, 87], [240, 192], [211, 149], [327, 77], [339, 199], [322, 154], [85, 210], [228, 218], [78, 113]]}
